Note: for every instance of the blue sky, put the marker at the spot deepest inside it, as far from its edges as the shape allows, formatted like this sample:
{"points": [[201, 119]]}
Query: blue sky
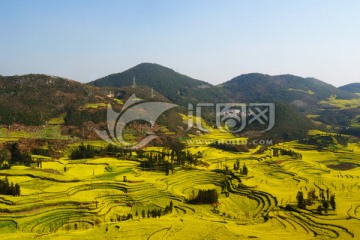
{"points": [[210, 40]]}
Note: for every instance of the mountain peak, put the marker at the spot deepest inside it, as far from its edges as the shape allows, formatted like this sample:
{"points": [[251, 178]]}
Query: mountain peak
{"points": [[164, 80]]}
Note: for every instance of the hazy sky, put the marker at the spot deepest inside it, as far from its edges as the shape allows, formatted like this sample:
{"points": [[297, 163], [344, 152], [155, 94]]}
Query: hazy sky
{"points": [[209, 40]]}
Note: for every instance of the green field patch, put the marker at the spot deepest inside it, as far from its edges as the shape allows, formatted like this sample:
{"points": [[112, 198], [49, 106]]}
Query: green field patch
{"points": [[312, 116], [314, 132], [36, 184], [355, 122], [83, 170], [95, 105], [51, 132], [342, 103], [44, 174], [6, 134], [48, 132], [115, 174], [7, 226], [35, 157], [205, 186], [301, 90], [58, 120], [119, 101]]}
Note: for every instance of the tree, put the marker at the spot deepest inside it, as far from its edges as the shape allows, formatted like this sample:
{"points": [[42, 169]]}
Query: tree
{"points": [[300, 199], [143, 214], [17, 189], [332, 202], [82, 151], [176, 145], [319, 209], [4, 155], [167, 168], [4, 159], [245, 170], [18, 157], [171, 206], [325, 204], [206, 197], [7, 188], [15, 152]]}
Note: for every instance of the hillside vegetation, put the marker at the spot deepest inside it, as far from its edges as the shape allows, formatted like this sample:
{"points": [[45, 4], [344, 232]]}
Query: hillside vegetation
{"points": [[34, 99], [300, 180], [352, 88], [282, 88], [175, 86]]}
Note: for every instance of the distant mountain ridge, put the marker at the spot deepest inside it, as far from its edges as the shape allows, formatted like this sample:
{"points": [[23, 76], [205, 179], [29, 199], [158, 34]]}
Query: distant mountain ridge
{"points": [[352, 88], [252, 87], [35, 98], [282, 88]]}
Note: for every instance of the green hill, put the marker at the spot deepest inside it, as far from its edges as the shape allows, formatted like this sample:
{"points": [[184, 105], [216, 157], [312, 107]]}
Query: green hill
{"points": [[182, 89], [282, 88], [177, 87], [323, 102], [352, 88], [34, 99]]}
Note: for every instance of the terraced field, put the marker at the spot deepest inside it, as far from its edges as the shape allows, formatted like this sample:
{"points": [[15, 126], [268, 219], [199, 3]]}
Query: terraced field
{"points": [[88, 202]]}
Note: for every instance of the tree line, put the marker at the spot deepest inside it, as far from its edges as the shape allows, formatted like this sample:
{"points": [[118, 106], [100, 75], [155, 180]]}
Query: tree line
{"points": [[87, 151], [325, 198], [244, 170], [82, 152], [209, 196], [281, 152], [166, 160], [325, 141], [230, 147], [12, 155], [154, 213], [7, 188]]}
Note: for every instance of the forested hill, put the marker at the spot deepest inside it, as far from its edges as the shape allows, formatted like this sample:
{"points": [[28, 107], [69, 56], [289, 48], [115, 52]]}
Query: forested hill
{"points": [[35, 98], [352, 88], [175, 86], [282, 88]]}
